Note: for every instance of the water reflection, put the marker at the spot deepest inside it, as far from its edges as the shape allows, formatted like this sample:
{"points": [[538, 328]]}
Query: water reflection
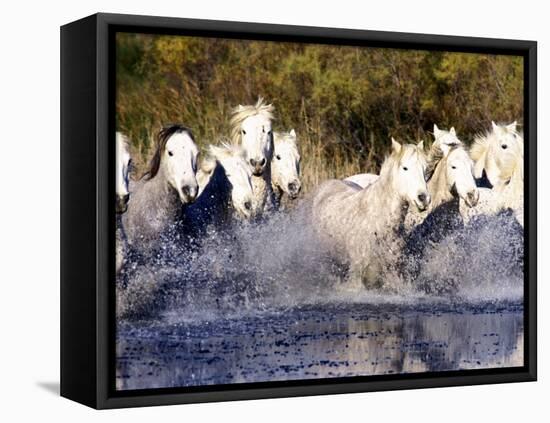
{"points": [[316, 343]]}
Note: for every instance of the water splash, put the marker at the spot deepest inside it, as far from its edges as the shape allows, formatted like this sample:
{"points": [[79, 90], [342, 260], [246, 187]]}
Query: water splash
{"points": [[278, 264]]}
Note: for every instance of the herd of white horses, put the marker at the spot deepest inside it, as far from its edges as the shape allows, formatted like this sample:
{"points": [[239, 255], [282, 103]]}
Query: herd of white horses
{"points": [[257, 170]]}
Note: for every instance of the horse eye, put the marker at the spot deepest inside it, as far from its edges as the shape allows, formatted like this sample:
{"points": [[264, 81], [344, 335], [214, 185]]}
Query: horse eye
{"points": [[170, 153], [504, 146], [405, 168], [278, 157], [453, 167], [244, 132]]}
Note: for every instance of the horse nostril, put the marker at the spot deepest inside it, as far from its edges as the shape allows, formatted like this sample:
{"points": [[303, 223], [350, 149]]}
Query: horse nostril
{"points": [[126, 198], [253, 162], [262, 162], [292, 187], [422, 197], [247, 205]]}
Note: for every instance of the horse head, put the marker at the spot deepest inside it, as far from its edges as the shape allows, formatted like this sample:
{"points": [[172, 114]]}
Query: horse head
{"points": [[409, 173], [232, 159], [460, 176], [176, 158], [251, 128], [285, 165]]}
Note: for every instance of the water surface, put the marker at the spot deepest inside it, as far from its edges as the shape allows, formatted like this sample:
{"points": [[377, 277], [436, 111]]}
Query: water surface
{"points": [[312, 342]]}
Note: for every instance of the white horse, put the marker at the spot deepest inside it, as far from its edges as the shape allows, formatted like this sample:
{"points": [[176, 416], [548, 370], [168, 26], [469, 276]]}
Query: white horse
{"points": [[122, 193], [443, 139], [364, 226], [506, 195], [225, 182], [123, 161], [285, 166], [495, 153], [251, 128], [168, 185], [450, 180]]}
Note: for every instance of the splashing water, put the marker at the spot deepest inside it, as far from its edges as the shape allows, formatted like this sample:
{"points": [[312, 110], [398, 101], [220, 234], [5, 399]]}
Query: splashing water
{"points": [[279, 263], [262, 279]]}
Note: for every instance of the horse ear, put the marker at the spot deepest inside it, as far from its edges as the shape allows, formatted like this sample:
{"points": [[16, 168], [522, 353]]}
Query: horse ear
{"points": [[420, 145], [395, 146], [293, 134], [495, 126], [452, 131], [512, 126], [436, 131], [240, 108]]}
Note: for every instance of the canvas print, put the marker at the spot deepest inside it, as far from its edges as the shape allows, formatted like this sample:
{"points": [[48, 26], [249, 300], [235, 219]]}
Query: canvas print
{"points": [[298, 211]]}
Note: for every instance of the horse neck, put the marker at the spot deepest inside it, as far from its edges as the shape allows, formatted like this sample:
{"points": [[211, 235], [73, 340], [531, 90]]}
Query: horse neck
{"points": [[218, 187], [391, 209], [161, 193], [438, 186]]}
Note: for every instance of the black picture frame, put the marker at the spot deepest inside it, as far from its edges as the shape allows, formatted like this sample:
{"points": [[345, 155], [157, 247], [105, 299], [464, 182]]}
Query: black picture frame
{"points": [[87, 210]]}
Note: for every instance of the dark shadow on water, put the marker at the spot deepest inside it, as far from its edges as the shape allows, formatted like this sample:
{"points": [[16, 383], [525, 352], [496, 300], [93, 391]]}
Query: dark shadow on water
{"points": [[50, 387]]}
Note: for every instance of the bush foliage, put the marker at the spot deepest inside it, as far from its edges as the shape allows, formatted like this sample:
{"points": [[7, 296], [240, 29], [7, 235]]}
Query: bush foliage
{"points": [[344, 102]]}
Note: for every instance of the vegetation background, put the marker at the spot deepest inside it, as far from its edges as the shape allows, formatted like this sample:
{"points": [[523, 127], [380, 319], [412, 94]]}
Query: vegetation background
{"points": [[344, 102]]}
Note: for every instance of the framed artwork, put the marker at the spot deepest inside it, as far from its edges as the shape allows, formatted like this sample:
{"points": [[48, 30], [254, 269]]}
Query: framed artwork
{"points": [[255, 211]]}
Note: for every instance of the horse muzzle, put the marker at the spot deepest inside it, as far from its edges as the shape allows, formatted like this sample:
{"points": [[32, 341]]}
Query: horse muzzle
{"points": [[472, 198], [122, 203], [188, 194], [245, 210], [422, 201], [294, 189], [258, 166]]}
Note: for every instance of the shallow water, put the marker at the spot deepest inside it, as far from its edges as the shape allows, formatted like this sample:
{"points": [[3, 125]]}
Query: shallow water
{"points": [[313, 342], [261, 302]]}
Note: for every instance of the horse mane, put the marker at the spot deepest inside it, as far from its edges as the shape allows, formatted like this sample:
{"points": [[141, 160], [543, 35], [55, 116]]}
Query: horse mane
{"points": [[220, 152], [161, 139], [240, 113], [435, 156], [480, 145]]}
